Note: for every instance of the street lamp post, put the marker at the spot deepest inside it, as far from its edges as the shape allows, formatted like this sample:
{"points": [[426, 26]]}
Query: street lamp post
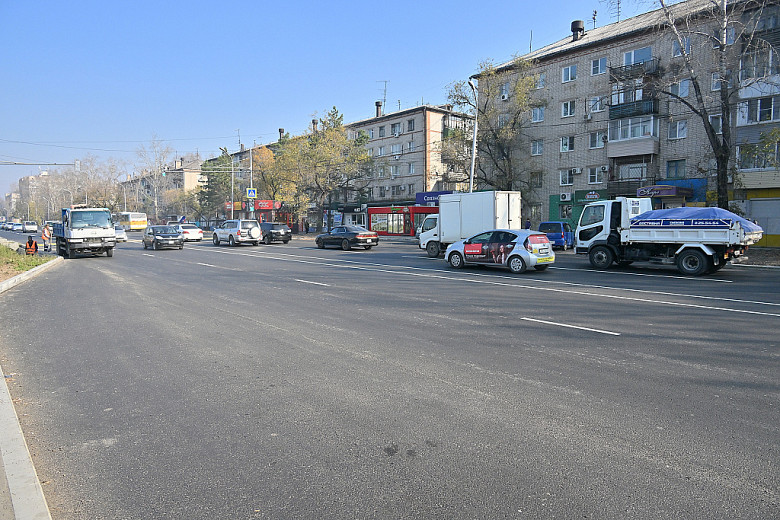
{"points": [[474, 141]]}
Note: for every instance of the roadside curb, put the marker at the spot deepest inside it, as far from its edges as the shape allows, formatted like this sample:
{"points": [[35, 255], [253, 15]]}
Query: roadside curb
{"points": [[21, 277]]}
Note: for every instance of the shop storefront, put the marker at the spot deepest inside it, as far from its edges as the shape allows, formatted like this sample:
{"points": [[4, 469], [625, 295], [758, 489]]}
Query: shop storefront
{"points": [[398, 220], [668, 195]]}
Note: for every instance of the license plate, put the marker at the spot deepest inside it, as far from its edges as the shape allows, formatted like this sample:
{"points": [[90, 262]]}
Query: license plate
{"points": [[370, 241], [94, 244], [545, 260]]}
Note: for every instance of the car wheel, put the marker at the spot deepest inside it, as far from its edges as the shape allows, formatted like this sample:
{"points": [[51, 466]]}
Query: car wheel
{"points": [[601, 257], [433, 249], [215, 239], [267, 239], [285, 241], [368, 247], [181, 246], [145, 246], [517, 265], [456, 260], [692, 262], [541, 267], [110, 252], [155, 245], [320, 243], [231, 241], [345, 245]]}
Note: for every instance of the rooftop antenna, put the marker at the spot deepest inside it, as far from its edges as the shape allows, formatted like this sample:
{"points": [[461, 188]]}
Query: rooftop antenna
{"points": [[531, 41], [384, 93], [594, 18]]}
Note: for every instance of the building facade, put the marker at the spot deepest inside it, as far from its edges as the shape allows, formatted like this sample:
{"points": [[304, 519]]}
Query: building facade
{"points": [[613, 116]]}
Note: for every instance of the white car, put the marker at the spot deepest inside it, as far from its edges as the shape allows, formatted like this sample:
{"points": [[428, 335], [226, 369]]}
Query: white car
{"points": [[191, 232], [30, 226], [512, 248], [121, 234], [236, 232]]}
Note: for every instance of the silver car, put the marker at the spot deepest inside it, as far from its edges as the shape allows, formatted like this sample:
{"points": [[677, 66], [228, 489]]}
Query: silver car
{"points": [[121, 234], [238, 231], [512, 248]]}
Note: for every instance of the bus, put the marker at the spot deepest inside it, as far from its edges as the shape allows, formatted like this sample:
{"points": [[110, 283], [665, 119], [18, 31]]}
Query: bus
{"points": [[132, 221]]}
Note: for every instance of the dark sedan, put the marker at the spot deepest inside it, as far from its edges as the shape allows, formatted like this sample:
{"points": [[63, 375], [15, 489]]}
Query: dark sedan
{"points": [[158, 237], [348, 237]]}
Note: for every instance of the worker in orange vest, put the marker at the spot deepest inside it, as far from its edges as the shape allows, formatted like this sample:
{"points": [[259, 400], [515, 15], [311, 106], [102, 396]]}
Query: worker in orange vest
{"points": [[31, 247], [46, 237]]}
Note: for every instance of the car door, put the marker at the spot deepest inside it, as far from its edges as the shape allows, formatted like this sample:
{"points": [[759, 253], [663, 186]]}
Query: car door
{"points": [[336, 235], [501, 244], [476, 248], [222, 231]]}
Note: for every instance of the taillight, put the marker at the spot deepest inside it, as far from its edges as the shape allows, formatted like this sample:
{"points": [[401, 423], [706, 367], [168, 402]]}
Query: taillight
{"points": [[535, 240]]}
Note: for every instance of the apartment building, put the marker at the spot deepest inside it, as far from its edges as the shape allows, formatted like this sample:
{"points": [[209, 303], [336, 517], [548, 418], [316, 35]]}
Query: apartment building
{"points": [[610, 116]]}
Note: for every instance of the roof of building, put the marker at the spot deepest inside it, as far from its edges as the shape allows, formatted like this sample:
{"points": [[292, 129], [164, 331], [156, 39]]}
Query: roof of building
{"points": [[618, 30], [406, 112]]}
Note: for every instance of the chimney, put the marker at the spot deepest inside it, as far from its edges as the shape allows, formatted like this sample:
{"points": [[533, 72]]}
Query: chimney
{"points": [[314, 125], [281, 133], [378, 108], [577, 30]]}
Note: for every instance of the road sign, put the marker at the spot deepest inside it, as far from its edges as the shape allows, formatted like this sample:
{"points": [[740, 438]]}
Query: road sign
{"points": [[251, 193]]}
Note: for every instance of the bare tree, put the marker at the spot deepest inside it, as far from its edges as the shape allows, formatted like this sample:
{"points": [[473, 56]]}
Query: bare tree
{"points": [[153, 161]]}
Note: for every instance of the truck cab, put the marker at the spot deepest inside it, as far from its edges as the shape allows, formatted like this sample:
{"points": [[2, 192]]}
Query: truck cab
{"points": [[605, 221]]}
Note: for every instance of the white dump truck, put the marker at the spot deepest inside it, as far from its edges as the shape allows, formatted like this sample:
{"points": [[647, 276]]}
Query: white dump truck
{"points": [[84, 230], [462, 215], [696, 240]]}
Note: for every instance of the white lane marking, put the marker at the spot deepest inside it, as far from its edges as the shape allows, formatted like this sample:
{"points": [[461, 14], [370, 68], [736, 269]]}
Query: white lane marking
{"points": [[608, 271], [408, 271], [147, 254], [572, 326], [207, 265], [313, 283]]}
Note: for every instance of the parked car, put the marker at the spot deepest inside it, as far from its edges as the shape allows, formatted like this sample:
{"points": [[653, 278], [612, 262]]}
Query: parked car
{"points": [[159, 237], [511, 248], [30, 226], [559, 233], [191, 232], [238, 231], [274, 231], [348, 237], [121, 234]]}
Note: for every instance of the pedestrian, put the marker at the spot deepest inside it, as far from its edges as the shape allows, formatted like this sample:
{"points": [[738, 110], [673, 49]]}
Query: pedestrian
{"points": [[31, 247], [528, 224], [46, 237]]}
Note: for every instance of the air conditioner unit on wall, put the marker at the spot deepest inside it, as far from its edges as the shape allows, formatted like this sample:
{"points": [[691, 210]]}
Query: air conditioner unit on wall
{"points": [[565, 197], [604, 169], [396, 134], [576, 171], [504, 97]]}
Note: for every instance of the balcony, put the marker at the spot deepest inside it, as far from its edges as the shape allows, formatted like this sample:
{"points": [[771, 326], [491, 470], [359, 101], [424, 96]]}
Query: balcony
{"points": [[628, 187], [635, 108], [637, 70]]}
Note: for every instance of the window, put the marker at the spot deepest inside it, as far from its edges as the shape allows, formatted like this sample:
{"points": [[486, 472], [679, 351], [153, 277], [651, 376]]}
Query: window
{"points": [[371, 133], [596, 104], [592, 215], [395, 149], [411, 168], [635, 171], [395, 190], [717, 81], [597, 139], [564, 211], [677, 50], [540, 80], [395, 128], [410, 125], [758, 110], [382, 191], [503, 119], [567, 108], [730, 37], [678, 129], [568, 73], [410, 146], [750, 157], [410, 189], [505, 91], [598, 66], [537, 147], [537, 114], [567, 177], [681, 89], [381, 131], [567, 143], [381, 151], [716, 121], [394, 171], [759, 63], [370, 152], [596, 174], [632, 128], [675, 169], [638, 56], [536, 211], [536, 179], [627, 92]]}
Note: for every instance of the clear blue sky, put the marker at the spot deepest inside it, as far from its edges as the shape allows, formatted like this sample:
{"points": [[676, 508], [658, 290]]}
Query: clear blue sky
{"points": [[103, 78]]}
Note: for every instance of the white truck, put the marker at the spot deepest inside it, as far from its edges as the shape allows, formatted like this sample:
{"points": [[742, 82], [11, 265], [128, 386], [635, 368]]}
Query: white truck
{"points": [[84, 230], [696, 240], [462, 215]]}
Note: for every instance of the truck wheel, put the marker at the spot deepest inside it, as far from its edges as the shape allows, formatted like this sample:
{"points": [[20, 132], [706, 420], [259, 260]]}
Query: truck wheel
{"points": [[601, 257], [215, 239], [517, 265], [456, 260], [433, 249], [692, 262], [110, 252]]}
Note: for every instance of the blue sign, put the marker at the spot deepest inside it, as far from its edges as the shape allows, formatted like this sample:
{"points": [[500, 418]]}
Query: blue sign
{"points": [[251, 193], [427, 198]]}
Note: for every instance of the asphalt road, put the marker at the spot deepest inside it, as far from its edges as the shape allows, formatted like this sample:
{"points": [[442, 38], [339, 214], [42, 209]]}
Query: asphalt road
{"points": [[285, 381]]}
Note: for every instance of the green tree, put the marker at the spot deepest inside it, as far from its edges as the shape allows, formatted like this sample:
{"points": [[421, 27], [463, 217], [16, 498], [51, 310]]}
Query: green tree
{"points": [[213, 196]]}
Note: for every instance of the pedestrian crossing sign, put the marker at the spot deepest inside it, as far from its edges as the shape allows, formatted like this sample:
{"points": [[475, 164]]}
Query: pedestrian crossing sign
{"points": [[251, 193]]}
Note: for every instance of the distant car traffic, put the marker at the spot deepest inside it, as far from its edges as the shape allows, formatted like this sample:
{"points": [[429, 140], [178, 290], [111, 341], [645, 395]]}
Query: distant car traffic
{"points": [[121, 235], [514, 249], [159, 237], [30, 226], [191, 232], [17, 227], [559, 233], [274, 231], [236, 232], [348, 237]]}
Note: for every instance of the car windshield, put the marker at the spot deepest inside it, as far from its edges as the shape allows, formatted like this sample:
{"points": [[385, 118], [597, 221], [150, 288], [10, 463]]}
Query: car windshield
{"points": [[165, 229], [86, 219], [356, 229], [549, 227], [278, 226]]}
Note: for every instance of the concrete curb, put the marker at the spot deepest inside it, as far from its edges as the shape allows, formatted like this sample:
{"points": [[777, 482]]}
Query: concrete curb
{"points": [[21, 495]]}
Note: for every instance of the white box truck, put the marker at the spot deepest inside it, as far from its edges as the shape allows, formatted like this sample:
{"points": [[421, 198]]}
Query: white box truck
{"points": [[463, 215], [696, 240]]}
